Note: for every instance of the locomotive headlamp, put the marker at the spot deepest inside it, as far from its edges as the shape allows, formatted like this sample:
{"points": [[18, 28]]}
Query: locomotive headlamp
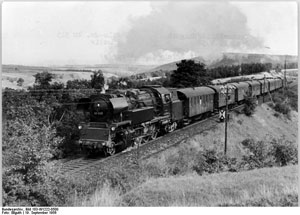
{"points": [[113, 128], [79, 127]]}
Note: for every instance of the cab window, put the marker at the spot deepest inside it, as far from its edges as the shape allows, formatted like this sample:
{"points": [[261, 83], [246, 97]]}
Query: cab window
{"points": [[167, 98]]}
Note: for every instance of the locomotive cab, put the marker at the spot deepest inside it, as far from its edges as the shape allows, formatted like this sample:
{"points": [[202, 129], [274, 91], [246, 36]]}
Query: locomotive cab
{"points": [[162, 98]]}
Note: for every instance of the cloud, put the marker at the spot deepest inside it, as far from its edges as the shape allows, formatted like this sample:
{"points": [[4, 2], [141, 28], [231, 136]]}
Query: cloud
{"points": [[179, 29]]}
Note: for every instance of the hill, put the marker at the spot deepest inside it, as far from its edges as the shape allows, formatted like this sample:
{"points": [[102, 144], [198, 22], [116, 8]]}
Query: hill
{"points": [[228, 59], [11, 73]]}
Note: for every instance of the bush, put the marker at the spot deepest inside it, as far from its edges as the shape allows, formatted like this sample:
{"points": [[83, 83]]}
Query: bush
{"points": [[209, 161], [256, 154], [20, 82], [259, 154], [282, 107], [25, 157], [284, 152], [250, 104], [284, 103]]}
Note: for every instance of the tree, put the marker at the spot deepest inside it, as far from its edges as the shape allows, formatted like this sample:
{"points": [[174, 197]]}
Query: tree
{"points": [[97, 80], [189, 74], [43, 79], [20, 82]]}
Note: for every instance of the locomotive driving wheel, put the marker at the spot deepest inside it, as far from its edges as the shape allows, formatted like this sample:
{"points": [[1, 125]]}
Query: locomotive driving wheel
{"points": [[172, 127], [110, 150], [153, 136], [153, 132], [137, 142]]}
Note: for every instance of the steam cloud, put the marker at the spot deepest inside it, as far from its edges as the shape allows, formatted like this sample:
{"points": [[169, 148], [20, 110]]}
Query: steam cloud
{"points": [[177, 30]]}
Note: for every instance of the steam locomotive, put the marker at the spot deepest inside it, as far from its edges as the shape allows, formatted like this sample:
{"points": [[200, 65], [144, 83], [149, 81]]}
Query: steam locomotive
{"points": [[125, 118]]}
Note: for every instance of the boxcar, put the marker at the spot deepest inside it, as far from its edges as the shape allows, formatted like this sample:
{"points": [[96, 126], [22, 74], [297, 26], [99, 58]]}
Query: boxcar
{"points": [[196, 101], [220, 98], [255, 87], [279, 83], [272, 84], [241, 90], [264, 86]]}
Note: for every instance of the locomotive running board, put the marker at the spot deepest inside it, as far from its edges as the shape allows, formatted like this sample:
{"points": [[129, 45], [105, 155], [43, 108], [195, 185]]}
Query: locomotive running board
{"points": [[122, 123], [156, 119]]}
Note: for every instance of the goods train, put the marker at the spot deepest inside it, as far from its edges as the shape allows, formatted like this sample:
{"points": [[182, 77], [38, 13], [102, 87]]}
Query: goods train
{"points": [[129, 117]]}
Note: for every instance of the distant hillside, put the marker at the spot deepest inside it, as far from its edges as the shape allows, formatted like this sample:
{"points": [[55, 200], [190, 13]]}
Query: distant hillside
{"points": [[228, 59], [239, 58], [11, 73], [115, 69], [172, 66]]}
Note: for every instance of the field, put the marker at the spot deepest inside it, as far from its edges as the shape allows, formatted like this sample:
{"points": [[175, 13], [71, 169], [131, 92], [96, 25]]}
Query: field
{"points": [[11, 73]]}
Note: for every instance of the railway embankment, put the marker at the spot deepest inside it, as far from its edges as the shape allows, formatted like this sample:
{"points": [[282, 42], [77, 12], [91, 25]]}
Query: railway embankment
{"points": [[197, 173], [265, 125]]}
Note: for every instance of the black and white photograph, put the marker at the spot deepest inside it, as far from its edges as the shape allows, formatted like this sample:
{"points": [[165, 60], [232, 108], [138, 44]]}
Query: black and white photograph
{"points": [[149, 104]]}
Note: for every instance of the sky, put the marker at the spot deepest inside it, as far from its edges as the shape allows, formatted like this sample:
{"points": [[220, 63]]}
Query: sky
{"points": [[87, 33]]}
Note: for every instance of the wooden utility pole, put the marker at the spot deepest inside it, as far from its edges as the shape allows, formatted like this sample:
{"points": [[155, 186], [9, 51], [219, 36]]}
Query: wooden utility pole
{"points": [[285, 84], [226, 117], [264, 88], [226, 90]]}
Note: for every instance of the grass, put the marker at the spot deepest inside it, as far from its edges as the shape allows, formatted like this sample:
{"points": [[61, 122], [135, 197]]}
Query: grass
{"points": [[263, 125], [105, 196], [263, 187]]}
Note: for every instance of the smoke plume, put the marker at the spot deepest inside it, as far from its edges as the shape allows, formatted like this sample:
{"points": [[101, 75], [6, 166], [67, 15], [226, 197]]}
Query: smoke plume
{"points": [[177, 30]]}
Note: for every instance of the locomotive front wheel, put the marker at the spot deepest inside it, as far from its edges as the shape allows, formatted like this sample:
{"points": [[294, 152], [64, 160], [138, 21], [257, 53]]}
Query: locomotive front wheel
{"points": [[173, 127], [110, 150]]}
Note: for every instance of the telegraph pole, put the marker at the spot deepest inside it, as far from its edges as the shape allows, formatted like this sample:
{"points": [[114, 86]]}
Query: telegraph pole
{"points": [[226, 117], [264, 88], [285, 84], [226, 90]]}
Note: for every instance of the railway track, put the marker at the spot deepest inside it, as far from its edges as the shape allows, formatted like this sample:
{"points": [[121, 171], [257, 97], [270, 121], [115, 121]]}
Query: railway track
{"points": [[131, 157]]}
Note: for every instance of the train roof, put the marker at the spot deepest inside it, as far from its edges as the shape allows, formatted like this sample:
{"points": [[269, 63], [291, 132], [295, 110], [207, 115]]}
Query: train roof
{"points": [[158, 88], [196, 91], [240, 84], [218, 88], [254, 82]]}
